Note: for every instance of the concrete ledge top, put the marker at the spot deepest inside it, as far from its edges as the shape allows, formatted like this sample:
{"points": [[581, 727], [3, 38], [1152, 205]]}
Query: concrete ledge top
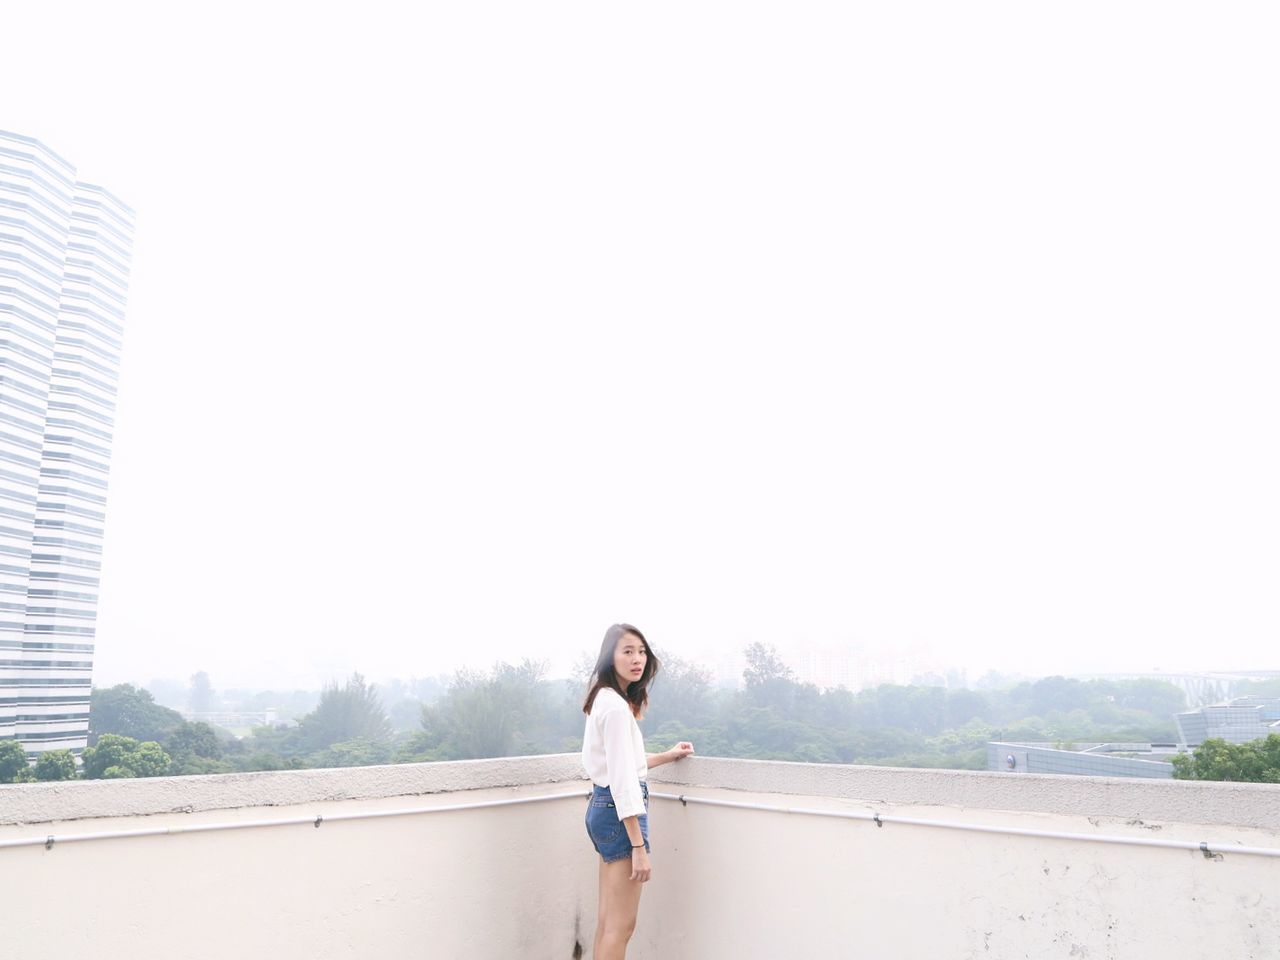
{"points": [[1128, 798], [79, 799]]}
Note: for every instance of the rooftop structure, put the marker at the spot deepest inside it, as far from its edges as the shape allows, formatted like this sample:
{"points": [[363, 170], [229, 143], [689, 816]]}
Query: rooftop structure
{"points": [[1238, 721], [753, 860], [1088, 759]]}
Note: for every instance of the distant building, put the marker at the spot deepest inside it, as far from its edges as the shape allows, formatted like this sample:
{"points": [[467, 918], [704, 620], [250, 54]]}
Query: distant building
{"points": [[1088, 760], [64, 267], [1237, 721], [231, 719], [827, 670]]}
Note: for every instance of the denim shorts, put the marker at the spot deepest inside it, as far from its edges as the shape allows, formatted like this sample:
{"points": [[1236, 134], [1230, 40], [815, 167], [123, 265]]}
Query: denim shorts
{"points": [[607, 833]]}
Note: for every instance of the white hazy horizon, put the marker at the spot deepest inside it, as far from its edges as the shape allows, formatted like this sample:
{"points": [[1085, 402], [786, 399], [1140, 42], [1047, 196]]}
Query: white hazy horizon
{"points": [[456, 335]]}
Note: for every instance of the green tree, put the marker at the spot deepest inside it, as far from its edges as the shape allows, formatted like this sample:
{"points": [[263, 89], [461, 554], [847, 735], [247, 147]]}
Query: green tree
{"points": [[13, 762], [278, 741], [266, 760], [507, 711], [764, 665], [1258, 688], [681, 692], [965, 705], [201, 697], [195, 748], [352, 753], [768, 681], [918, 709], [1257, 761], [1159, 698], [348, 712], [481, 714], [427, 744], [194, 740], [405, 714], [55, 765], [130, 711], [1057, 695], [116, 756]]}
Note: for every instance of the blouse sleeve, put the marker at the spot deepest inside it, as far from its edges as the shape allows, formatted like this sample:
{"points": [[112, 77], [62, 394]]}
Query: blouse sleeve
{"points": [[619, 754]]}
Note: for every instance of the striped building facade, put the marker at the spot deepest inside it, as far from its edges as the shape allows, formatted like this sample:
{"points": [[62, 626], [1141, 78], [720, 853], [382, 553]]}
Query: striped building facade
{"points": [[64, 269]]}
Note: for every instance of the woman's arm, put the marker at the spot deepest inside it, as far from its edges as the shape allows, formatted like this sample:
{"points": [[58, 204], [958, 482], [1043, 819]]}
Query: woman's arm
{"points": [[682, 749], [641, 869]]}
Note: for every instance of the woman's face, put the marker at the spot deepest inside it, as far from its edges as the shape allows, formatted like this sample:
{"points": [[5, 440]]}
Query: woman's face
{"points": [[629, 658]]}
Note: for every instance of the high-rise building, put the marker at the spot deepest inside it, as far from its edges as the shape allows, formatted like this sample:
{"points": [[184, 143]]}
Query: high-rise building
{"points": [[64, 267]]}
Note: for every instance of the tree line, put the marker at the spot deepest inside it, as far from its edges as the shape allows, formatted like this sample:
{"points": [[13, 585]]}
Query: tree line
{"points": [[514, 710]]}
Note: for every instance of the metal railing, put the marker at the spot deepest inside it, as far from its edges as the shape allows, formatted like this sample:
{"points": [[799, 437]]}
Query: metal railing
{"points": [[49, 840], [1210, 849]]}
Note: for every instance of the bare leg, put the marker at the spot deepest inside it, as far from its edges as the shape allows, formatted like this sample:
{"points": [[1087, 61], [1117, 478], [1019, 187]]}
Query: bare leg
{"points": [[602, 904], [616, 917]]}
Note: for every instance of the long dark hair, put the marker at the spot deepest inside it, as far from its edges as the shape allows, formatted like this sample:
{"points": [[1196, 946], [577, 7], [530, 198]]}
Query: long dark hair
{"points": [[637, 693]]}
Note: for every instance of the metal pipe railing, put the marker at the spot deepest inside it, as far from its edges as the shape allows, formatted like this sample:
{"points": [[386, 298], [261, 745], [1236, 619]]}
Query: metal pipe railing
{"points": [[1210, 850], [50, 839]]}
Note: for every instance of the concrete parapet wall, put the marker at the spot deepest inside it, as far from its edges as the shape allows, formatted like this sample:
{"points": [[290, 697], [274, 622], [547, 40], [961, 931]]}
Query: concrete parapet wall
{"points": [[1231, 804], [729, 883], [509, 881], [747, 884]]}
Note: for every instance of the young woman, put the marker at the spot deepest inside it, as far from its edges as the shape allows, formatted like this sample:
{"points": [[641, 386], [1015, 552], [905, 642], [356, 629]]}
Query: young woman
{"points": [[614, 757]]}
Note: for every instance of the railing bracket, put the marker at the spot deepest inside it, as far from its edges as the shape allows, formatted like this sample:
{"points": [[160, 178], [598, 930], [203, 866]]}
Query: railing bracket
{"points": [[1209, 854]]}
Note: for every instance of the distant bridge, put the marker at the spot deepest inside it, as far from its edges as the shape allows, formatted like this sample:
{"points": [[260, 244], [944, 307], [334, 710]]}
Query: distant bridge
{"points": [[1200, 688]]}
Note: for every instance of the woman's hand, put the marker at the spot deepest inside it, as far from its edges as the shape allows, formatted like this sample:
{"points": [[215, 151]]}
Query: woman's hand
{"points": [[681, 750], [640, 866]]}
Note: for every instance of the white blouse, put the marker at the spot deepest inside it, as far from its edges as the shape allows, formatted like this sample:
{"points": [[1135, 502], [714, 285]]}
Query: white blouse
{"points": [[613, 752]]}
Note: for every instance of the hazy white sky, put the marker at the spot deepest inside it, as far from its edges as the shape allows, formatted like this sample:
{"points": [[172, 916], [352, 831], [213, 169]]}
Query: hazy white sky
{"points": [[459, 334]]}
